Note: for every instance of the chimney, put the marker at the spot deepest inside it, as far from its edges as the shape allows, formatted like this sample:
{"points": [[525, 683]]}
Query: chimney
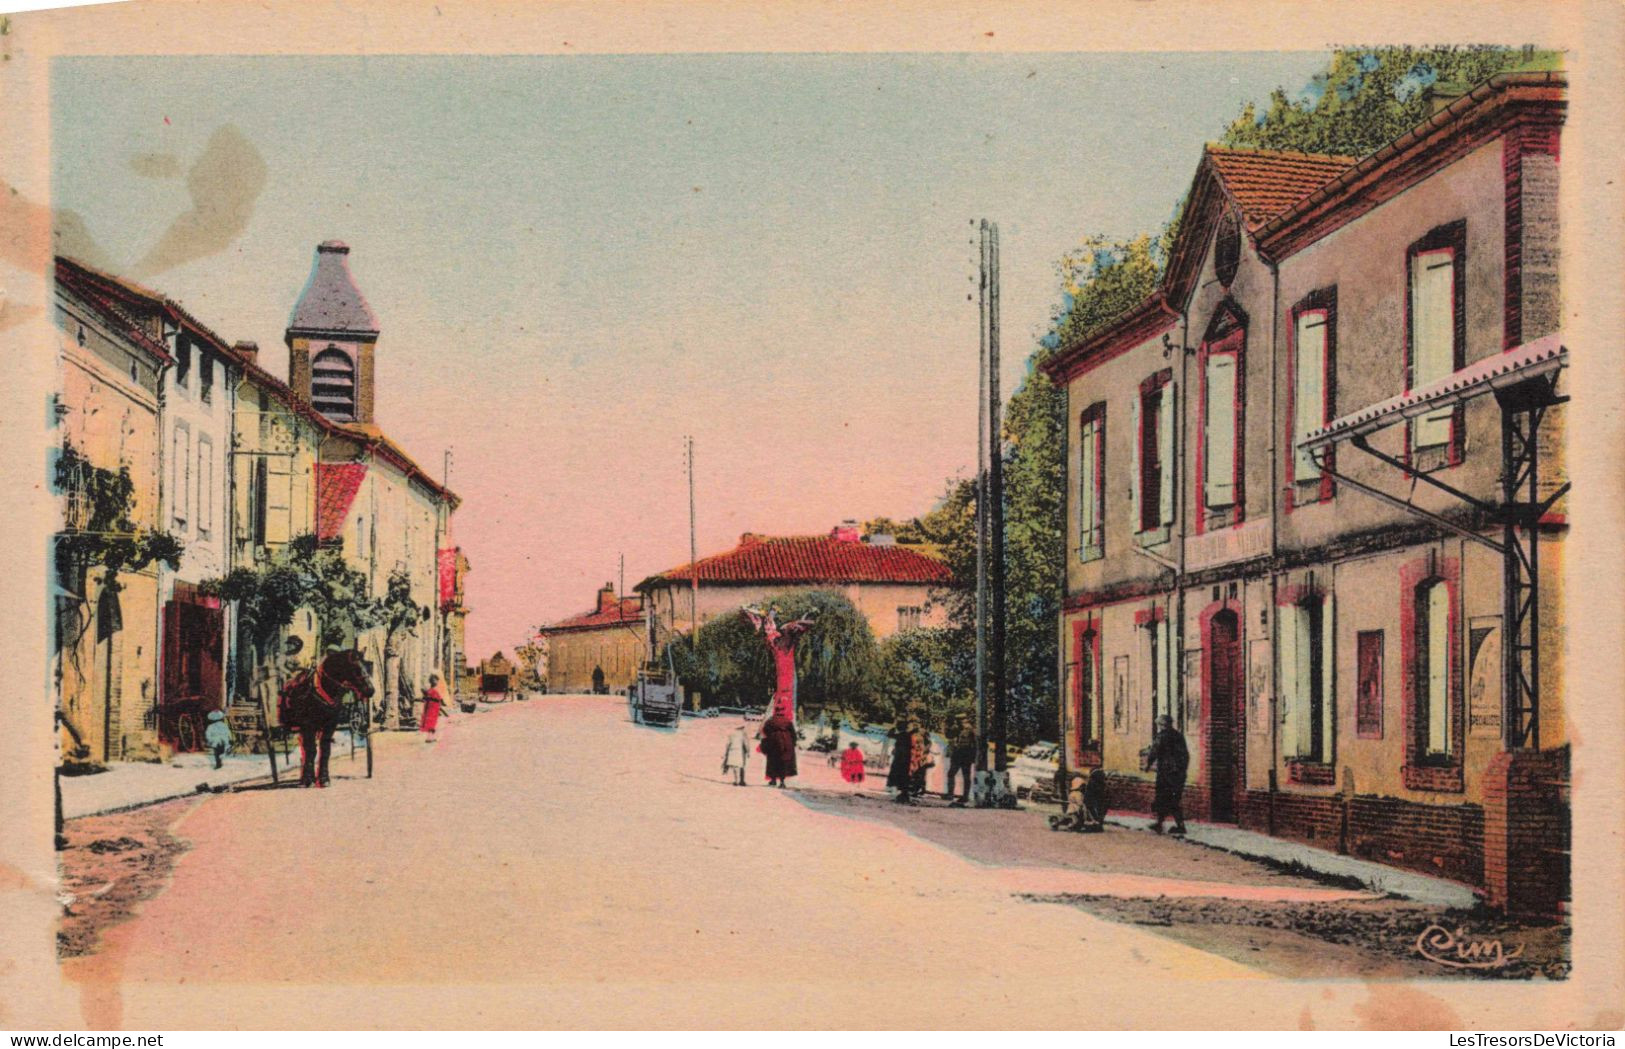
{"points": [[847, 531], [248, 351], [1439, 94], [606, 598]]}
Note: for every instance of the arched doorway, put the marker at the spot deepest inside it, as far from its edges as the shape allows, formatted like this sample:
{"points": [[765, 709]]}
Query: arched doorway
{"points": [[598, 681], [1226, 735]]}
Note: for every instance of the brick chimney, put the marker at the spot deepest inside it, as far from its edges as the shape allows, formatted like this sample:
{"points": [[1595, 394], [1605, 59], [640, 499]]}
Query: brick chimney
{"points": [[848, 531], [248, 351], [606, 598]]}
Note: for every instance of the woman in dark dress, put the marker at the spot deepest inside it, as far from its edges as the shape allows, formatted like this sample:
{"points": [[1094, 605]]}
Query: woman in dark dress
{"points": [[778, 746]]}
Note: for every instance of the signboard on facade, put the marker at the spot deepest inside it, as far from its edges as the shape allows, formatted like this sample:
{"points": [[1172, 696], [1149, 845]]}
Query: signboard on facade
{"points": [[1258, 683], [1484, 676], [1193, 686], [1122, 712]]}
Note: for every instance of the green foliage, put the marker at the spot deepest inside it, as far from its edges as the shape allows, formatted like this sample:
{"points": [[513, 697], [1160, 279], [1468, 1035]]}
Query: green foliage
{"points": [[1367, 97], [397, 610], [925, 672], [105, 535], [1102, 279], [835, 658]]}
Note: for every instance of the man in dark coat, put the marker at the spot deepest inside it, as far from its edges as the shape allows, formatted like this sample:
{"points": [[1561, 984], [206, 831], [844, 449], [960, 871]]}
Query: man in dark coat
{"points": [[962, 757], [779, 747], [1170, 758], [901, 773]]}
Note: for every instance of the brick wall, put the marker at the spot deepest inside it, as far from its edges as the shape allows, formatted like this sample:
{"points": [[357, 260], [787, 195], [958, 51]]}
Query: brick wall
{"points": [[1527, 831]]}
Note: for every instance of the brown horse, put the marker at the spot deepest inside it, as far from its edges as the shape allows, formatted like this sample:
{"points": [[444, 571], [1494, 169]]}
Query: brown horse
{"points": [[313, 702]]}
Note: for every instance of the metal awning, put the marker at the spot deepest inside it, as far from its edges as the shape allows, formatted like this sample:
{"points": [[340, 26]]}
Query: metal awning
{"points": [[1493, 373]]}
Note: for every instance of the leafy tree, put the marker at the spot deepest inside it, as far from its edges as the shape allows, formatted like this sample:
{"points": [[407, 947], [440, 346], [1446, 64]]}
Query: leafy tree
{"points": [[400, 618], [835, 658], [925, 672], [1367, 97]]}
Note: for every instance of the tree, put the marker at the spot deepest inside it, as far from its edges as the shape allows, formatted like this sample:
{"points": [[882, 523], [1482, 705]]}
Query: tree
{"points": [[400, 618], [924, 672], [1367, 97], [835, 658]]}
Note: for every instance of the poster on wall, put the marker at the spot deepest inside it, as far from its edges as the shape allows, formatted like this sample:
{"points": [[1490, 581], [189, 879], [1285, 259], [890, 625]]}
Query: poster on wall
{"points": [[1193, 686], [1484, 676], [1258, 684], [1121, 712]]}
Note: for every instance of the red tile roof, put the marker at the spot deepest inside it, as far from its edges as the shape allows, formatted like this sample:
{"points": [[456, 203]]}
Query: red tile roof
{"points": [[628, 612], [336, 486], [809, 559], [1266, 182]]}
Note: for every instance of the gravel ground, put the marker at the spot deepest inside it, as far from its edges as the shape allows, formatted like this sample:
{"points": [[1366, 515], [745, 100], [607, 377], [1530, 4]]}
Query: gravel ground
{"points": [[111, 864]]}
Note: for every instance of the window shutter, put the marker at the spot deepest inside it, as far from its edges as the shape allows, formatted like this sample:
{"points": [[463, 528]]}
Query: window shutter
{"points": [[1137, 428], [1165, 438], [1328, 678], [1433, 339], [1309, 386], [1438, 612], [1086, 485], [1219, 462]]}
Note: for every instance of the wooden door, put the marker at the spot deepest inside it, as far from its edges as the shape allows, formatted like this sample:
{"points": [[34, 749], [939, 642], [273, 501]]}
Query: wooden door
{"points": [[1226, 729]]}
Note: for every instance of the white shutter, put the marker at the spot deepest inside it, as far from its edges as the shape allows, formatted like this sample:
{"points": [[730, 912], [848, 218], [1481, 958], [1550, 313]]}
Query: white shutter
{"points": [[1139, 466], [1433, 334], [1308, 386], [1219, 461], [1165, 455], [1328, 679], [1438, 613], [1086, 484]]}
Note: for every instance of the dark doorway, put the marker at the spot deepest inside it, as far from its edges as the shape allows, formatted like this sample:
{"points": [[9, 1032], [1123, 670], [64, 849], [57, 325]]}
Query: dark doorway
{"points": [[598, 686], [1225, 737]]}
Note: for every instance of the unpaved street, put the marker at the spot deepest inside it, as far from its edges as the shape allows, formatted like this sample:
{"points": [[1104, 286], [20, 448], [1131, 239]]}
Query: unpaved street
{"points": [[551, 862]]}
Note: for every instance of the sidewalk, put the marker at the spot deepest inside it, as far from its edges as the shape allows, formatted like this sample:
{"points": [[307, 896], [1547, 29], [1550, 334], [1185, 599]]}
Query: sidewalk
{"points": [[1251, 845], [130, 784]]}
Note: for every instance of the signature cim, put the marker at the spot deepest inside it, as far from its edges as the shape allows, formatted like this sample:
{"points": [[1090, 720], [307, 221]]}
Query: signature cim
{"points": [[1460, 951]]}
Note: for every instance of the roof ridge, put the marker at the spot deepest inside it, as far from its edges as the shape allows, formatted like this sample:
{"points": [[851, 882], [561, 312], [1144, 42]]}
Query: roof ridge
{"points": [[1298, 154]]}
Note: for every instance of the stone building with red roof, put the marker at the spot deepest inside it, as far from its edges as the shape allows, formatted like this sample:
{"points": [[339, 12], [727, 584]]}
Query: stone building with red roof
{"points": [[892, 584], [599, 650], [1333, 656]]}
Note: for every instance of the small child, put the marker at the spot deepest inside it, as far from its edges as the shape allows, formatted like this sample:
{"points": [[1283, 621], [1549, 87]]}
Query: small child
{"points": [[218, 735], [736, 754], [852, 764]]}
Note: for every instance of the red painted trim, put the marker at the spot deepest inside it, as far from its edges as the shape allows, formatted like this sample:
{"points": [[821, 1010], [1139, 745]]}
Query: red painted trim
{"points": [[1112, 596], [1095, 414], [1086, 631], [1226, 334], [1150, 318], [1154, 614], [1451, 235], [1522, 141], [1151, 502], [1413, 576], [1324, 300], [1504, 102]]}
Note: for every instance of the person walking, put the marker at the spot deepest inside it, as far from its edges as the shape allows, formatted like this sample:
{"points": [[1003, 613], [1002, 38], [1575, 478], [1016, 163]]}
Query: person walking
{"points": [[736, 754], [961, 758], [778, 746], [218, 735], [433, 702], [1169, 755], [852, 764], [901, 774]]}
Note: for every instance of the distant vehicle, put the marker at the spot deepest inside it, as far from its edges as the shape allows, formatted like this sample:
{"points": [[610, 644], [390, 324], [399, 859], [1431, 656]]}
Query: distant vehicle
{"points": [[1036, 767], [656, 697]]}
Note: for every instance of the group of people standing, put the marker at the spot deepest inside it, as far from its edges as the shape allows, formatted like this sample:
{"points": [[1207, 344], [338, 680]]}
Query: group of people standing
{"points": [[777, 745]]}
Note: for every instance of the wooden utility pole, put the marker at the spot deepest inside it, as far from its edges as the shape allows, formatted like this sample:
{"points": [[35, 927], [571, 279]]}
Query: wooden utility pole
{"points": [[981, 515], [995, 506], [693, 553]]}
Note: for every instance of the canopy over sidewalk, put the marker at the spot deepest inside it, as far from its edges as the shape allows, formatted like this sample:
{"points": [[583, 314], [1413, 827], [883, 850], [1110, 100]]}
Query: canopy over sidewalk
{"points": [[1497, 372]]}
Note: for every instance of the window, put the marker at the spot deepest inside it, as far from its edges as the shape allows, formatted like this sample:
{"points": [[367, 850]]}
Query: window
{"points": [[1368, 690], [909, 617], [183, 361], [1306, 647], [205, 484], [1314, 341], [1220, 465], [1435, 742], [257, 495], [1154, 490], [1160, 658], [181, 474], [1436, 328], [1088, 709], [135, 371], [332, 383], [1092, 484]]}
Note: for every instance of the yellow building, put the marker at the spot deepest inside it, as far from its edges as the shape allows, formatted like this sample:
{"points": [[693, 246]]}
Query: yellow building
{"points": [[600, 650], [112, 357]]}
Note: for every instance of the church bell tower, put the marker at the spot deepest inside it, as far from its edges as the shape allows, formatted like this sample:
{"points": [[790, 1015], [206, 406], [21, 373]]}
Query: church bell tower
{"points": [[331, 338]]}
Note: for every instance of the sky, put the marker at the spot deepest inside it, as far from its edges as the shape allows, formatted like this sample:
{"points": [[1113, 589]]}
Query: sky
{"points": [[578, 260]]}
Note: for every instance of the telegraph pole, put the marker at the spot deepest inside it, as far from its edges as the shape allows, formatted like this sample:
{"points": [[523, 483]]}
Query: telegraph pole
{"points": [[992, 783], [693, 551], [981, 517]]}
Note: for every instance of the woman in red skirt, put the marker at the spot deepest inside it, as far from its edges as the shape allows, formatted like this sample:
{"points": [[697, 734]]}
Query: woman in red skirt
{"points": [[432, 702]]}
